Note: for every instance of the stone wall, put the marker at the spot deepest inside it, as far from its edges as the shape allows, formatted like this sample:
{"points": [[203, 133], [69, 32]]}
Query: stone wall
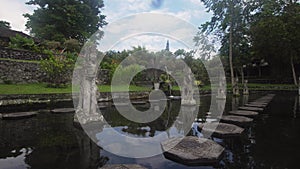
{"points": [[20, 54], [20, 72], [30, 72]]}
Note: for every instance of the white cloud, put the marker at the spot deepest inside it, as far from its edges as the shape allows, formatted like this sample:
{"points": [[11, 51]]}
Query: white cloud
{"points": [[12, 11]]}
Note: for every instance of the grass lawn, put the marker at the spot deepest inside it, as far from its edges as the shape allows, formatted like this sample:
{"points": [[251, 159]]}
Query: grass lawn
{"points": [[43, 89]]}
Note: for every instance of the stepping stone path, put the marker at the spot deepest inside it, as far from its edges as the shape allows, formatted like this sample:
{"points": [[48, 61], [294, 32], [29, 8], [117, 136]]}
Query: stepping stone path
{"points": [[251, 108], [63, 110], [244, 113], [19, 115], [192, 150], [237, 120], [220, 130], [123, 166]]}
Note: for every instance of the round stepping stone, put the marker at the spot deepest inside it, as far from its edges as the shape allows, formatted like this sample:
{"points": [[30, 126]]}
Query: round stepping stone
{"points": [[19, 115], [237, 120], [63, 110], [244, 113], [251, 108], [123, 166], [220, 130], [255, 105], [192, 150]]}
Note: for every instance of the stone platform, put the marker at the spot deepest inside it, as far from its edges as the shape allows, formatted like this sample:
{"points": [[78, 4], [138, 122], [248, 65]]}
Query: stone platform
{"points": [[251, 108], [192, 150], [63, 110], [255, 105], [237, 120], [19, 115], [244, 113], [220, 130]]}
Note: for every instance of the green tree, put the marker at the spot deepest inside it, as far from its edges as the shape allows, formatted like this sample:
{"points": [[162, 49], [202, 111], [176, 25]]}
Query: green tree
{"points": [[5, 24], [275, 35], [230, 23], [64, 19]]}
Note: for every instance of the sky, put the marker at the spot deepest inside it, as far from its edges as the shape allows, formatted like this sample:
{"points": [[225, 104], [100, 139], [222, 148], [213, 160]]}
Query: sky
{"points": [[191, 11]]}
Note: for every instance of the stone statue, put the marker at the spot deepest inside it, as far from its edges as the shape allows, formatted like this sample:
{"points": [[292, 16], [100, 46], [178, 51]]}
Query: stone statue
{"points": [[86, 110], [235, 88], [222, 89], [245, 88], [187, 94]]}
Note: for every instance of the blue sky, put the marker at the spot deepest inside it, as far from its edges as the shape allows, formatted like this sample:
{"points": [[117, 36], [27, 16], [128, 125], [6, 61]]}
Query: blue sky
{"points": [[192, 11]]}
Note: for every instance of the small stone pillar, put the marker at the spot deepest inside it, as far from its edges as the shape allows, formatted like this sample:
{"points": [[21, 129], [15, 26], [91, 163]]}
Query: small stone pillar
{"points": [[245, 88]]}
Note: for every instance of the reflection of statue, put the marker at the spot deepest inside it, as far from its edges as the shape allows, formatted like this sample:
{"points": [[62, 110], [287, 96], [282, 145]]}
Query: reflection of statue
{"points": [[168, 82], [187, 88], [221, 90], [235, 88], [87, 108], [245, 88]]}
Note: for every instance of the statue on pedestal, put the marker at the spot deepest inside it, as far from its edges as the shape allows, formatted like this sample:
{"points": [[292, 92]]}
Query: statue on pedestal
{"points": [[245, 88], [235, 88], [187, 93], [221, 89], [86, 110]]}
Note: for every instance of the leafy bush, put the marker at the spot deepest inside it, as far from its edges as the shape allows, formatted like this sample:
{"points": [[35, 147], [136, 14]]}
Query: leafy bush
{"points": [[72, 45], [19, 42], [58, 69], [123, 73]]}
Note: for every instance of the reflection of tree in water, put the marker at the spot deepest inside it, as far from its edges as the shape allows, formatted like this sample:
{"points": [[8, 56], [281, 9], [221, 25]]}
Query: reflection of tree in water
{"points": [[162, 123]]}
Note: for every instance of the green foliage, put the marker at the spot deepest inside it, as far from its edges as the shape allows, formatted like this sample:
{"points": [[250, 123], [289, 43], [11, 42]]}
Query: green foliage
{"points": [[123, 73], [58, 69], [275, 35], [52, 45], [19, 42], [61, 20], [5, 24], [72, 45]]}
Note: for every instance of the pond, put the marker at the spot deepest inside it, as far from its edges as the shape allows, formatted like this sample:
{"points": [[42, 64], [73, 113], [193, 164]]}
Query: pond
{"points": [[51, 141]]}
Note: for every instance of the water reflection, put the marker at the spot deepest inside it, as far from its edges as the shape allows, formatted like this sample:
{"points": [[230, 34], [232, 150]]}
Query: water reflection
{"points": [[51, 141]]}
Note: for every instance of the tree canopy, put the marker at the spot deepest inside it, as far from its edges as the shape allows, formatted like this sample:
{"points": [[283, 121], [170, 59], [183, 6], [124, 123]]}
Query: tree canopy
{"points": [[65, 19]]}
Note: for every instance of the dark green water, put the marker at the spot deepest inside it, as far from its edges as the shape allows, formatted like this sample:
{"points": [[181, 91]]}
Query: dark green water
{"points": [[50, 141]]}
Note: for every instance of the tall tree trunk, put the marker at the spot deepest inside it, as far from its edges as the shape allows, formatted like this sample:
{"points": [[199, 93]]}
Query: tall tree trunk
{"points": [[293, 71], [230, 55]]}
